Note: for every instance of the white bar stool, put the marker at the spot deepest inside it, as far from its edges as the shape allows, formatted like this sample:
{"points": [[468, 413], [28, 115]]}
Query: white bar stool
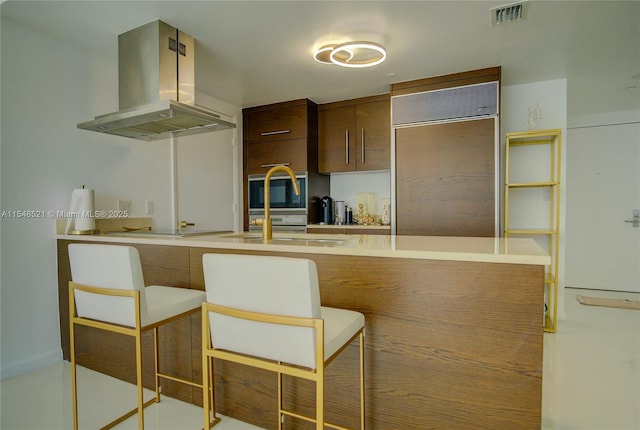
{"points": [[265, 312], [107, 292]]}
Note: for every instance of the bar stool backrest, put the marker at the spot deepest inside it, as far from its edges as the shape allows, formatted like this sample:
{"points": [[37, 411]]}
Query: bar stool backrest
{"points": [[270, 285], [107, 266]]}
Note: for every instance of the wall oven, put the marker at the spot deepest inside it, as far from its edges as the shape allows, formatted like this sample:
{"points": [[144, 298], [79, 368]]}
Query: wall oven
{"points": [[282, 196], [289, 212]]}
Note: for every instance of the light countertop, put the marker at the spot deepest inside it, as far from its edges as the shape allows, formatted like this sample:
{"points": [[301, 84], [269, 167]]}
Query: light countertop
{"points": [[479, 249], [351, 226]]}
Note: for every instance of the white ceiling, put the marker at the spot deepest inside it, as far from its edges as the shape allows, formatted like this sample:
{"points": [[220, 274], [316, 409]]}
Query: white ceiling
{"points": [[254, 53]]}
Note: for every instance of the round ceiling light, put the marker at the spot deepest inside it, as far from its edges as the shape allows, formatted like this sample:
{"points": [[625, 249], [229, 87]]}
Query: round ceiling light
{"points": [[361, 54], [322, 55]]}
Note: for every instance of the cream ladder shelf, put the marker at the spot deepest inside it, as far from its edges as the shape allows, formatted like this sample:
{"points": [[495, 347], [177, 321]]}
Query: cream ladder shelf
{"points": [[549, 181]]}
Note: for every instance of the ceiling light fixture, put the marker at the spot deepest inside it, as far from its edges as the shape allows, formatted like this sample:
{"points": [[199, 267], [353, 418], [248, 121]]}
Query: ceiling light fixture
{"points": [[352, 54], [322, 54]]}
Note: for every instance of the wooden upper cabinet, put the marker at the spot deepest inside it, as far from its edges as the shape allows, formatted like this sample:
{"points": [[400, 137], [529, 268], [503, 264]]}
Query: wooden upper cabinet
{"points": [[291, 153], [286, 134], [281, 133], [373, 140], [277, 124], [336, 134], [354, 135]]}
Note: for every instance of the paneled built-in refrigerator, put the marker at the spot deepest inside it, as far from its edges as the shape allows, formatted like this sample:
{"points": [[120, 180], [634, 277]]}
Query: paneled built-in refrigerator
{"points": [[445, 162]]}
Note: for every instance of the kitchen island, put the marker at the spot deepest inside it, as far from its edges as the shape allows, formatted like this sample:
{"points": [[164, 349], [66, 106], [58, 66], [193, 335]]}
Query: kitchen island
{"points": [[454, 328]]}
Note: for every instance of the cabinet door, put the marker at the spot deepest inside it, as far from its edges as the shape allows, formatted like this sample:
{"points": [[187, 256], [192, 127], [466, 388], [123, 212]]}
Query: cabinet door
{"points": [[336, 133], [327, 230], [373, 141], [277, 124], [291, 153], [375, 231], [445, 179]]}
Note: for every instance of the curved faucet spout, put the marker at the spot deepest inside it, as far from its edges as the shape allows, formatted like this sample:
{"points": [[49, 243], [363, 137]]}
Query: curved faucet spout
{"points": [[267, 230]]}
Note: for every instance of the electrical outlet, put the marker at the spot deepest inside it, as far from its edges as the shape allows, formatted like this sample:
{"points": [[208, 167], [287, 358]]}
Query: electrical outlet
{"points": [[124, 206], [149, 207]]}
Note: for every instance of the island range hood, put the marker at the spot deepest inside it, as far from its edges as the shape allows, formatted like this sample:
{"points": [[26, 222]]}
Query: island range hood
{"points": [[156, 79]]}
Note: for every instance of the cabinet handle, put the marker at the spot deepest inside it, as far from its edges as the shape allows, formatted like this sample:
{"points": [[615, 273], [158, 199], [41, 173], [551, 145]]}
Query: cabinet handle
{"points": [[271, 133], [275, 164], [346, 147], [362, 146]]}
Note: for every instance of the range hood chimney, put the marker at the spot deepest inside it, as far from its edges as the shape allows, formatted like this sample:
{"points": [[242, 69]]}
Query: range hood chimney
{"points": [[156, 78]]}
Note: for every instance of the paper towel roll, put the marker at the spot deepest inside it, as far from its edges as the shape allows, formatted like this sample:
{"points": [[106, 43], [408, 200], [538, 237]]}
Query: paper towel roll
{"points": [[82, 211]]}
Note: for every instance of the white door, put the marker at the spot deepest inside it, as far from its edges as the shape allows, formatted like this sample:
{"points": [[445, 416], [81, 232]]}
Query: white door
{"points": [[603, 188]]}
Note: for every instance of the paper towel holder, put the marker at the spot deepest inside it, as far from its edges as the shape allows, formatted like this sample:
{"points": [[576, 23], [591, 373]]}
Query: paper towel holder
{"points": [[73, 209]]}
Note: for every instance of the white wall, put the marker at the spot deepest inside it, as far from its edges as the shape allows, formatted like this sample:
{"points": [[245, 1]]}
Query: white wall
{"points": [[346, 186], [47, 88], [550, 97]]}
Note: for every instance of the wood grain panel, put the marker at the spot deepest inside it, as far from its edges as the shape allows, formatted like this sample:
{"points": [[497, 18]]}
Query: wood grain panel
{"points": [[292, 153], [373, 131], [290, 122], [164, 265], [349, 125], [448, 344], [347, 230], [298, 147], [447, 81], [327, 230], [336, 141], [352, 102], [445, 179]]}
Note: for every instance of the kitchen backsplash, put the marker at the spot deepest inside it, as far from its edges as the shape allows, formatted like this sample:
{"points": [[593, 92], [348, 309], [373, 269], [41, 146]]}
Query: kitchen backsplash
{"points": [[346, 186]]}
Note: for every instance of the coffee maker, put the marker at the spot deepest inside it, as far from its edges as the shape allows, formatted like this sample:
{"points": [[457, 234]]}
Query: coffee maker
{"points": [[326, 210]]}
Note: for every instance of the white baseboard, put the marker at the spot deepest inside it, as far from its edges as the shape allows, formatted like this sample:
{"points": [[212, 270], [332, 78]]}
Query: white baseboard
{"points": [[31, 364]]}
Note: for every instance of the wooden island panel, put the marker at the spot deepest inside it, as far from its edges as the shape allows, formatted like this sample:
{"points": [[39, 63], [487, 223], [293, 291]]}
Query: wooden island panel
{"points": [[448, 344]]}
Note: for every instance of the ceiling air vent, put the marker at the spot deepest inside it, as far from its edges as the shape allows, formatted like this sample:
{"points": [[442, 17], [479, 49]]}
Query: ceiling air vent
{"points": [[508, 13]]}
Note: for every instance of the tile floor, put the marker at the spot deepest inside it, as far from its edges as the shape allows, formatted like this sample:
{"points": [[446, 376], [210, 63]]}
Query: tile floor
{"points": [[591, 381], [41, 400], [591, 373]]}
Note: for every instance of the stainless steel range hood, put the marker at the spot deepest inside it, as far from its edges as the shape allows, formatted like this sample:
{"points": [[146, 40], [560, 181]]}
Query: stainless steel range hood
{"points": [[156, 78]]}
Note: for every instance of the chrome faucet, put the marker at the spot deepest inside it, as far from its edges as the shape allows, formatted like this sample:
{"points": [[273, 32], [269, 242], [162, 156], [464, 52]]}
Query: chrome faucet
{"points": [[267, 230]]}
